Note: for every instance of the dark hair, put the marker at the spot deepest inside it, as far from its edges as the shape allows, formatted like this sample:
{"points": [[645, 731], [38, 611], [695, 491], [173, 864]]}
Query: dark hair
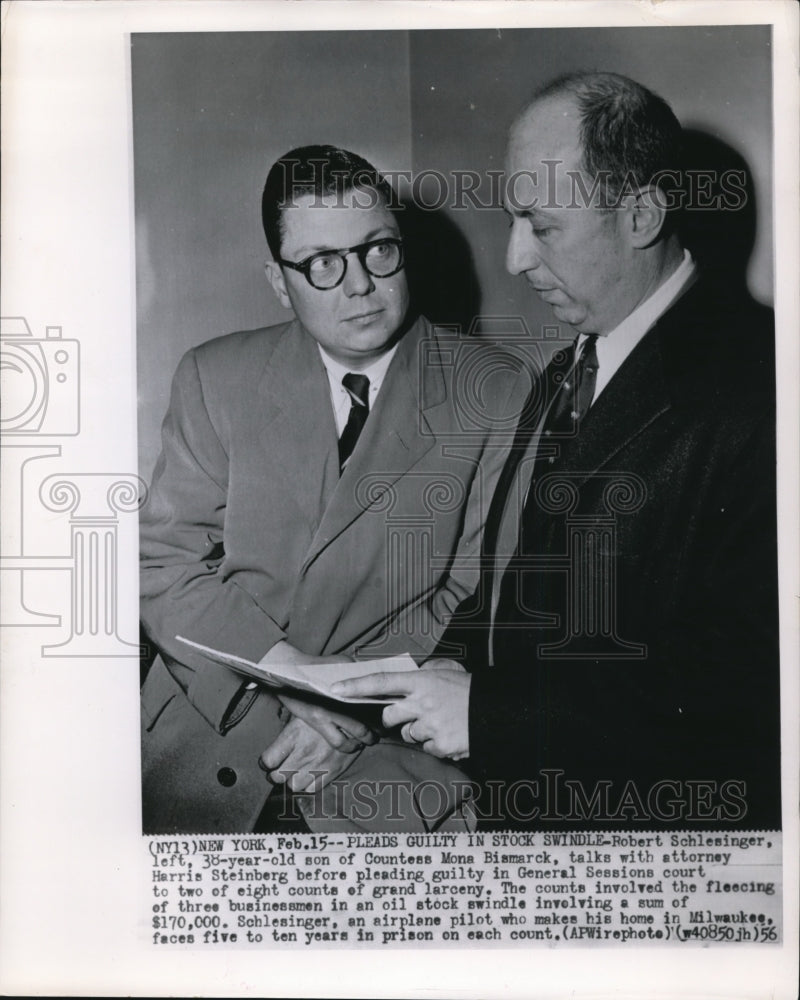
{"points": [[629, 135], [315, 170]]}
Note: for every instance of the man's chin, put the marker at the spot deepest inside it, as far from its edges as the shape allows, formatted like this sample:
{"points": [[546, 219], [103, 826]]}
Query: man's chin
{"points": [[567, 313], [370, 347]]}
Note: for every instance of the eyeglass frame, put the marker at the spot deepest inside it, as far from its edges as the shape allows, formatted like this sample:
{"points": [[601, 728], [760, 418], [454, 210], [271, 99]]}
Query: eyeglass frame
{"points": [[361, 250]]}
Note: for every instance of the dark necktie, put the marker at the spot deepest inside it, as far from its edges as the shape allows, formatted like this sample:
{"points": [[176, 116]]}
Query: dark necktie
{"points": [[562, 422], [571, 403], [358, 388], [571, 393], [574, 397]]}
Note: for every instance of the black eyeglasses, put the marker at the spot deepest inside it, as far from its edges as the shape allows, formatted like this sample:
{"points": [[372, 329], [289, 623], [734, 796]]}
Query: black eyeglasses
{"points": [[380, 258]]}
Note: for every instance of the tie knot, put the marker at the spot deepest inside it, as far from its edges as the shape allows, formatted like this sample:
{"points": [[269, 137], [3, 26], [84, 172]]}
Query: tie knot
{"points": [[588, 356], [358, 388]]}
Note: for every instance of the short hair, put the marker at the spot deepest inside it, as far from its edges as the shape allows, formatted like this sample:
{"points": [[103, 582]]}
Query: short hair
{"points": [[629, 135], [316, 170]]}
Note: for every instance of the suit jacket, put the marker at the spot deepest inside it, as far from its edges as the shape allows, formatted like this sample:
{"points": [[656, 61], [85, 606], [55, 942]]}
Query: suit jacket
{"points": [[250, 535], [638, 642]]}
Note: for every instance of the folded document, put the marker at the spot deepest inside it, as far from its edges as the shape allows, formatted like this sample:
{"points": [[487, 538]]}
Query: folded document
{"points": [[315, 679]]}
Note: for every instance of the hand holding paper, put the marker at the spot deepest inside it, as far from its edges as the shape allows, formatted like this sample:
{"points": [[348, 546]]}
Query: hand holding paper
{"points": [[431, 704], [316, 675]]}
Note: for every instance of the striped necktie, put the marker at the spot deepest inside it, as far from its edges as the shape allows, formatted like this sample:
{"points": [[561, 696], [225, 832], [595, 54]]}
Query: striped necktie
{"points": [[571, 402], [562, 422], [575, 395], [358, 389]]}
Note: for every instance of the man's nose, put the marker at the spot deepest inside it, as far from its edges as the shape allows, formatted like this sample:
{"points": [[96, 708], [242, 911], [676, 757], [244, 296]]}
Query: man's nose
{"points": [[357, 280], [521, 254]]}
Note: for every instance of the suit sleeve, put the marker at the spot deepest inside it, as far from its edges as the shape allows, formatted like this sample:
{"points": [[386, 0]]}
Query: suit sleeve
{"points": [[184, 588]]}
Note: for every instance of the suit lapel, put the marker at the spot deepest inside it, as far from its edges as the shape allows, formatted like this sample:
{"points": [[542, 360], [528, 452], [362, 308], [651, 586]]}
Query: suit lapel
{"points": [[501, 536], [636, 396], [395, 437], [641, 391], [299, 443], [639, 394]]}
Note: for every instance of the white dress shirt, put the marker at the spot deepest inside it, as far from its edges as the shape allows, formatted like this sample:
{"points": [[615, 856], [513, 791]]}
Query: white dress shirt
{"points": [[340, 397]]}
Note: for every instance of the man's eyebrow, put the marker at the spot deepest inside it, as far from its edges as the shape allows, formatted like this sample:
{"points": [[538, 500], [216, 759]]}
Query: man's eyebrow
{"points": [[309, 249], [544, 215], [536, 213]]}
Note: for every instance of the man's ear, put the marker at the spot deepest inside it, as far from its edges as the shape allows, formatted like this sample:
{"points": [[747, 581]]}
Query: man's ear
{"points": [[646, 217], [276, 278]]}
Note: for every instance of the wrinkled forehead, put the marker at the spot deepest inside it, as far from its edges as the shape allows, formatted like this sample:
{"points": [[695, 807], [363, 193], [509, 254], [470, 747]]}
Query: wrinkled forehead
{"points": [[338, 220]]}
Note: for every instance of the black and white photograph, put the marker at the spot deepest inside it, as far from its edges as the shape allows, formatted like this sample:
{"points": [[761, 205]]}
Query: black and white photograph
{"points": [[323, 488], [401, 486]]}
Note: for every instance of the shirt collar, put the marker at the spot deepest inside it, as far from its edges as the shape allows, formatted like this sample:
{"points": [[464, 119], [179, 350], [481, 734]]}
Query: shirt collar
{"points": [[375, 372], [615, 347]]}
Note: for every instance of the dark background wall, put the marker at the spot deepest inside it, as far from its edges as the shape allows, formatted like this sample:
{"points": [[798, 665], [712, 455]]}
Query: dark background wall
{"points": [[212, 111]]}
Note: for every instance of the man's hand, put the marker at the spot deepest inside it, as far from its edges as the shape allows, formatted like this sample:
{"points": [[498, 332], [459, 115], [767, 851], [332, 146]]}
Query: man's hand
{"points": [[298, 756], [342, 732], [432, 705]]}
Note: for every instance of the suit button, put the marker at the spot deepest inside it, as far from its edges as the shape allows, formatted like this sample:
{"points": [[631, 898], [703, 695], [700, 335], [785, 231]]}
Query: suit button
{"points": [[226, 776]]}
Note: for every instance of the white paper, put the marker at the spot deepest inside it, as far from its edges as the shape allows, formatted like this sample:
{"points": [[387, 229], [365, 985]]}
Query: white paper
{"points": [[315, 679]]}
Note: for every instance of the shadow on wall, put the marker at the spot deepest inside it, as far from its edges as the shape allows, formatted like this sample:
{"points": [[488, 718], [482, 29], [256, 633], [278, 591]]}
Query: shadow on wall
{"points": [[719, 228], [440, 266]]}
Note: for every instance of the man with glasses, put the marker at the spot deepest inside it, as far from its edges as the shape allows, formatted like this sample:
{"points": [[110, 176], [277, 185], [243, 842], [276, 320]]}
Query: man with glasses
{"points": [[292, 456]]}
